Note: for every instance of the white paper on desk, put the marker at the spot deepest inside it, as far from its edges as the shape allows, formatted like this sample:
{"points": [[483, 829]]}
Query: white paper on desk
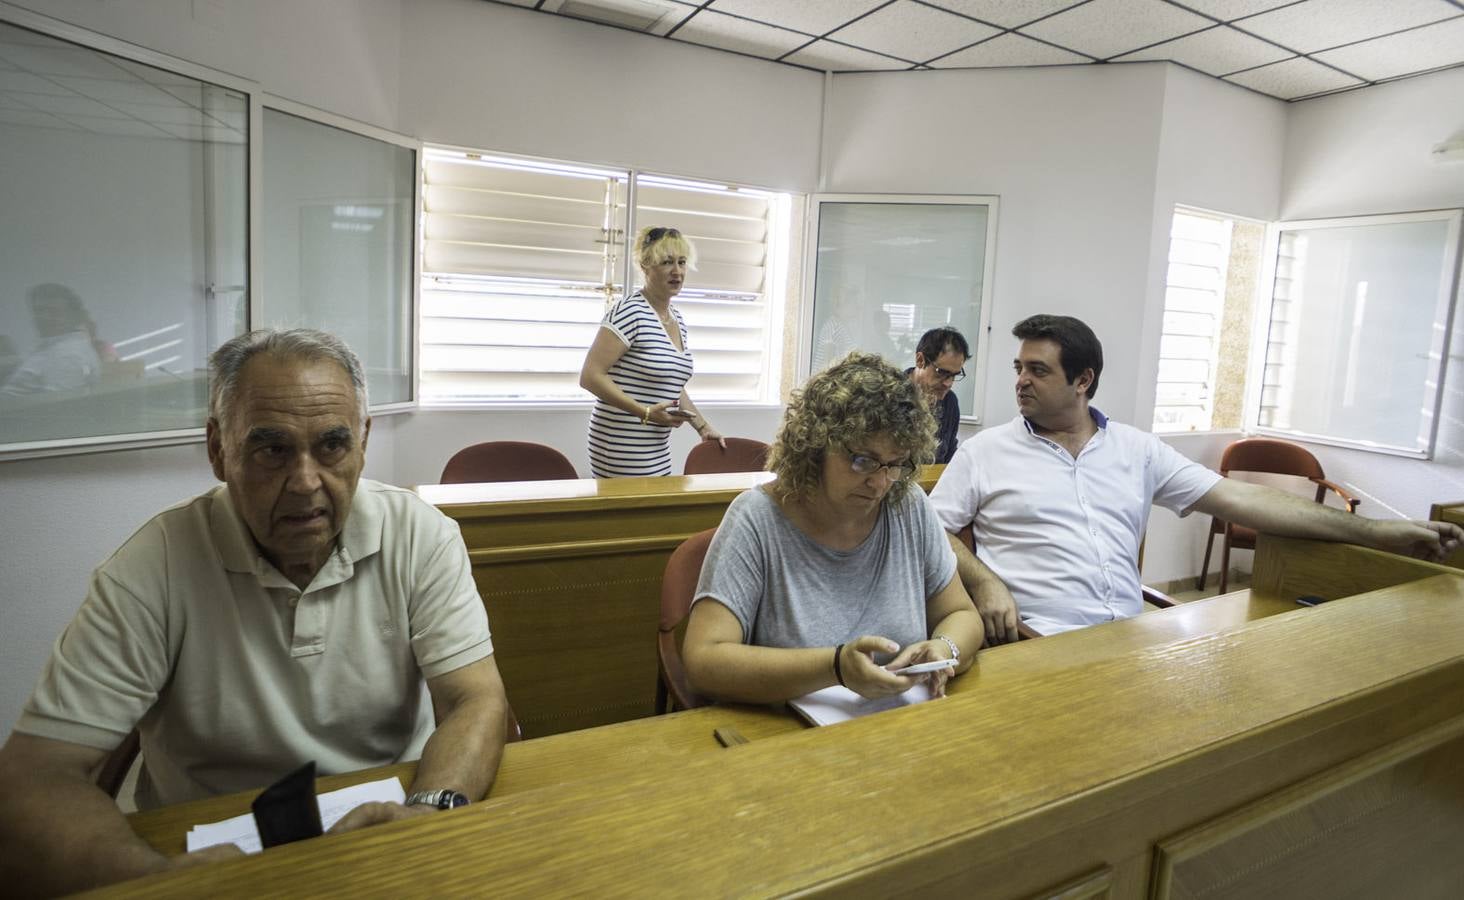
{"points": [[241, 831], [839, 704]]}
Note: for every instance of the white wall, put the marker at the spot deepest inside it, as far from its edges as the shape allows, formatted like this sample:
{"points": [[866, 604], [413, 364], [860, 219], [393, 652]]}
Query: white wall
{"points": [[1071, 152]]}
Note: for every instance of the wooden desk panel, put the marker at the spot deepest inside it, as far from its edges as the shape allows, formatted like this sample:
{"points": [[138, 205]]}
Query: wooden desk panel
{"points": [[658, 744], [1013, 786], [1287, 568], [570, 571]]}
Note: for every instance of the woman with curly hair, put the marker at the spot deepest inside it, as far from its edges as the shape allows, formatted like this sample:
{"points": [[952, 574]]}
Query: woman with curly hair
{"points": [[838, 570]]}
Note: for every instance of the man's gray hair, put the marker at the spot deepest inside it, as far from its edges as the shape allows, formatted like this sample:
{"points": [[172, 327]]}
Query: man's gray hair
{"points": [[229, 360]]}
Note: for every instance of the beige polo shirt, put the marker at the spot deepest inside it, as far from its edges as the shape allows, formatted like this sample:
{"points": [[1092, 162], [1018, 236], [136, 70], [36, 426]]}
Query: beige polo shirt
{"points": [[234, 676]]}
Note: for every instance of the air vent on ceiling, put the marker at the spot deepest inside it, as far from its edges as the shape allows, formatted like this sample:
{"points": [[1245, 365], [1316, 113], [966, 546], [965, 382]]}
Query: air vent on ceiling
{"points": [[641, 15]]}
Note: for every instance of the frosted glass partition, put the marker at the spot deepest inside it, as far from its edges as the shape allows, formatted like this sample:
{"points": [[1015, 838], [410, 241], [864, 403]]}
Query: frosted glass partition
{"points": [[123, 235], [1355, 342], [888, 269], [337, 249]]}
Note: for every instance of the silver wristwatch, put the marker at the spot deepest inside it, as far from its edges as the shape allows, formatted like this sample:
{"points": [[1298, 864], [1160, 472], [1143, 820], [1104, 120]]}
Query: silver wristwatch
{"points": [[442, 799]]}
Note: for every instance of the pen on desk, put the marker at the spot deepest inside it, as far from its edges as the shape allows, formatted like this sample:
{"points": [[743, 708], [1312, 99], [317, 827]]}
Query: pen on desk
{"points": [[729, 736]]}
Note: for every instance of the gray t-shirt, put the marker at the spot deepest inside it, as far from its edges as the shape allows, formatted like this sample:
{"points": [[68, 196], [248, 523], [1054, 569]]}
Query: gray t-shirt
{"points": [[789, 591]]}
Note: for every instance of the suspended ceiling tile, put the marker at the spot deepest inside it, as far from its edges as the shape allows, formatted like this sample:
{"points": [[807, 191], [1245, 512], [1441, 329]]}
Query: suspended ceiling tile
{"points": [[71, 105], [811, 18], [31, 117], [1418, 50], [731, 33], [122, 89], [1228, 10], [59, 60], [913, 31], [1293, 78], [1008, 50], [834, 57], [1321, 24], [31, 84], [1106, 28], [11, 101], [129, 127], [1217, 51], [1006, 13]]}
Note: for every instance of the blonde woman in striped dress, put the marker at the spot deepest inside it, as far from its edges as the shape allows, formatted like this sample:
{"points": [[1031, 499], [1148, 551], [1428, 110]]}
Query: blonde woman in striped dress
{"points": [[638, 367]]}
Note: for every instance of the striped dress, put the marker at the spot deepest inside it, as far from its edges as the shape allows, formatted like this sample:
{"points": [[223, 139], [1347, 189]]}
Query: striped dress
{"points": [[651, 371]]}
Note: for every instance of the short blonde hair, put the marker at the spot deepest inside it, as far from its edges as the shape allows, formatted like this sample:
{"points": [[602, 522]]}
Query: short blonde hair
{"points": [[656, 240], [856, 398]]}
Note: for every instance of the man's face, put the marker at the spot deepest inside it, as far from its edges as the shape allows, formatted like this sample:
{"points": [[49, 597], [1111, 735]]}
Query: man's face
{"points": [[936, 378], [291, 452], [1043, 392]]}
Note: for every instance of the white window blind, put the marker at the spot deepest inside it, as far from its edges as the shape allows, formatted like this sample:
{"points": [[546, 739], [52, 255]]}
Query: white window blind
{"points": [[726, 299], [518, 260], [1194, 300], [521, 257]]}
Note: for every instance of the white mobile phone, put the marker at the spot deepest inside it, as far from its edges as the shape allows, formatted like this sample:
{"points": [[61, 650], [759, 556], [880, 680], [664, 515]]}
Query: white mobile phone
{"points": [[679, 413], [922, 668]]}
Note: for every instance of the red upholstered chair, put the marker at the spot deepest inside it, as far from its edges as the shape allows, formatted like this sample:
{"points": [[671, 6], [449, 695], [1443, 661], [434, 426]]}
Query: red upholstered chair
{"points": [[673, 688], [507, 461], [1270, 456], [741, 455]]}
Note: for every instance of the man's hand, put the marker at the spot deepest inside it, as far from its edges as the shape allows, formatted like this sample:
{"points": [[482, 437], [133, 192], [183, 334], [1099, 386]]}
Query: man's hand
{"points": [[998, 611], [1432, 541], [368, 814]]}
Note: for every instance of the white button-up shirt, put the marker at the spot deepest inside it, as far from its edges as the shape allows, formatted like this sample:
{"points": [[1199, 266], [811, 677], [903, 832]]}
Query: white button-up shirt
{"points": [[1063, 534]]}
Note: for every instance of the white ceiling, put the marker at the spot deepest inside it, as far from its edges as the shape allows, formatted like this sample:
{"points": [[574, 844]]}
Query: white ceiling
{"points": [[1288, 49]]}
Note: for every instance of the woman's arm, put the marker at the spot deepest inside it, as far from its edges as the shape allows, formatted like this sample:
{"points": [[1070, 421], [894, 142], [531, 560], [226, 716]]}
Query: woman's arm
{"points": [[721, 666], [700, 423], [595, 378]]}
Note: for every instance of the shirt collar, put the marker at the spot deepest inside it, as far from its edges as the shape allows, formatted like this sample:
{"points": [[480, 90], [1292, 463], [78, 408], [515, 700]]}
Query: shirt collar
{"points": [[1099, 419], [359, 539]]}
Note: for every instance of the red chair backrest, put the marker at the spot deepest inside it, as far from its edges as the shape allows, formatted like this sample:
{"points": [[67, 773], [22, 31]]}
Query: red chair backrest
{"points": [[741, 455], [683, 570], [1269, 455], [507, 461]]}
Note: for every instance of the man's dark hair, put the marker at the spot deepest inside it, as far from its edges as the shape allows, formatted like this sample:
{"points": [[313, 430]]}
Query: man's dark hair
{"points": [[1081, 348], [939, 340]]}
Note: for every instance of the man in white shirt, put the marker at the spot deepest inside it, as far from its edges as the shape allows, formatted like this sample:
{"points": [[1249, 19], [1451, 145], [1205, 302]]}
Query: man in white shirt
{"points": [[290, 614], [1058, 498]]}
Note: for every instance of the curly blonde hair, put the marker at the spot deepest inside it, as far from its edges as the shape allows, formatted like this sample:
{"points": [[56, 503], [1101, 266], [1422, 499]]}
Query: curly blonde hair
{"points": [[852, 400]]}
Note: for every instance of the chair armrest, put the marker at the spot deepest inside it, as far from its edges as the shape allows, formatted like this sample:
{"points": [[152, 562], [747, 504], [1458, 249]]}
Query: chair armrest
{"points": [[1323, 485], [1026, 632], [1157, 597]]}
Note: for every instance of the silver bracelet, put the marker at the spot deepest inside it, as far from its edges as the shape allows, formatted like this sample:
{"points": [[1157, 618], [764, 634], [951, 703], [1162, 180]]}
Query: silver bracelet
{"points": [[955, 651]]}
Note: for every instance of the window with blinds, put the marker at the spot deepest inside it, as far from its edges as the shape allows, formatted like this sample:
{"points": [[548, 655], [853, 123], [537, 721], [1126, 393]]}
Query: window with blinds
{"points": [[1214, 266], [521, 257]]}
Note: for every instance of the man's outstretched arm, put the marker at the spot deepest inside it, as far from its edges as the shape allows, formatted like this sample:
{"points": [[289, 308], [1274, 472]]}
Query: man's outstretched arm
{"points": [[1277, 512]]}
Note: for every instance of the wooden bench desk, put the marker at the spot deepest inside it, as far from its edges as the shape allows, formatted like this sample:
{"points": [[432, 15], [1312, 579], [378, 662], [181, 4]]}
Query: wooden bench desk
{"points": [[1307, 753]]}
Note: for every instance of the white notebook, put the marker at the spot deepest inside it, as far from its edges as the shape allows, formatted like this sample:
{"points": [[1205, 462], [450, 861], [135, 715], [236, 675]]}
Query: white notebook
{"points": [[839, 704], [241, 832]]}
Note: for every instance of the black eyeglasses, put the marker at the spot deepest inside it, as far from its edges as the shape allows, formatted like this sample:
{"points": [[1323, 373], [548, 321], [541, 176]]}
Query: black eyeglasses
{"points": [[868, 465], [655, 234], [943, 375]]}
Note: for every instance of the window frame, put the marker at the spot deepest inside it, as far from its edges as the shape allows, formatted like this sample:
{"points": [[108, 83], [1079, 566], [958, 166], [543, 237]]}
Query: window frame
{"points": [[1445, 307], [980, 342], [257, 306], [91, 40]]}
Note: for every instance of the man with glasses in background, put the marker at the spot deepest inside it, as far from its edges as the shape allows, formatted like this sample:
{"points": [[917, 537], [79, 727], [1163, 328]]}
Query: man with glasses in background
{"points": [[940, 360]]}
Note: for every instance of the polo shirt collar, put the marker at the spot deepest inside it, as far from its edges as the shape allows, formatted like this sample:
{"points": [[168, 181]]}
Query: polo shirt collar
{"points": [[359, 539], [1099, 419]]}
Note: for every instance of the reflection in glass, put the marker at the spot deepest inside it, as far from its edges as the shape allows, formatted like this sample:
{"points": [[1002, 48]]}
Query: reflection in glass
{"points": [[888, 272], [337, 243], [1352, 350], [122, 241]]}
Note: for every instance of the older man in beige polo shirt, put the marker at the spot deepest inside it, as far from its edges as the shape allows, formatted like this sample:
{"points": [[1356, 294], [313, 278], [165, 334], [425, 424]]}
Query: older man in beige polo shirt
{"points": [[290, 614]]}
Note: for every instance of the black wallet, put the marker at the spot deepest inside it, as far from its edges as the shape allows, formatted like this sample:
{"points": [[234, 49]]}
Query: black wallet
{"points": [[286, 810]]}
